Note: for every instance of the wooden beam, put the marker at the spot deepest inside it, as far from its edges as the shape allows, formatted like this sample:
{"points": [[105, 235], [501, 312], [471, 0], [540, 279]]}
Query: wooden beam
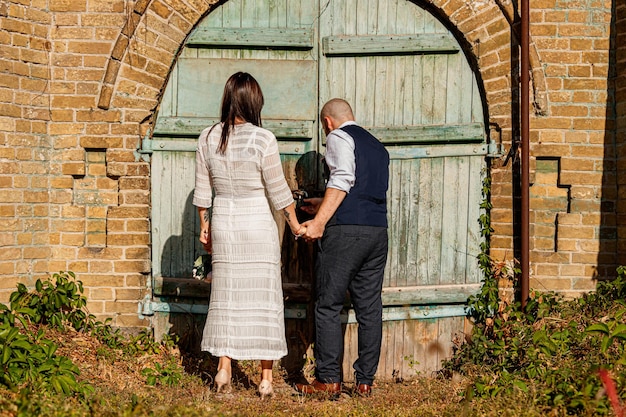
{"points": [[192, 126], [398, 296], [268, 38], [420, 43], [429, 294]]}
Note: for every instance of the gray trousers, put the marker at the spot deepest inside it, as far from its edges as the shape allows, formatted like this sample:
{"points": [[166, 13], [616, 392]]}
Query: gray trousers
{"points": [[350, 258]]}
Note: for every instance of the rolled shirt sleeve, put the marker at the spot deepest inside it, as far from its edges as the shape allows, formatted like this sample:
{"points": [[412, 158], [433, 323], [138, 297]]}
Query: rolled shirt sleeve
{"points": [[340, 160]]}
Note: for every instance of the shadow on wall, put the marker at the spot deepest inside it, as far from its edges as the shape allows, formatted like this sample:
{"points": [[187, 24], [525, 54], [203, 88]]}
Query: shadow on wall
{"points": [[180, 251], [613, 201]]}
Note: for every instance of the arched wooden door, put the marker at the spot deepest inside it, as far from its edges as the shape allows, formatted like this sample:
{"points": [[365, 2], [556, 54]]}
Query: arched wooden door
{"points": [[408, 82]]}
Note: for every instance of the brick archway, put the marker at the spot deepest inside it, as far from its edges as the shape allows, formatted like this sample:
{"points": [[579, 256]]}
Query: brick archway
{"points": [[146, 49]]}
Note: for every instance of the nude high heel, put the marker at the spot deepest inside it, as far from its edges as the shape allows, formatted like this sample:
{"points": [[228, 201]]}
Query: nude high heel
{"points": [[222, 380], [265, 389]]}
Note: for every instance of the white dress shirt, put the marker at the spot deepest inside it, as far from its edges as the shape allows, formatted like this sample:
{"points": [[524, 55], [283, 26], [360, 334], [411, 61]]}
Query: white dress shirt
{"points": [[340, 159]]}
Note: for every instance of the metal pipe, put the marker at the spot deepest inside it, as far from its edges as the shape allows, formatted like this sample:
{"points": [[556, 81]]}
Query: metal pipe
{"points": [[525, 132]]}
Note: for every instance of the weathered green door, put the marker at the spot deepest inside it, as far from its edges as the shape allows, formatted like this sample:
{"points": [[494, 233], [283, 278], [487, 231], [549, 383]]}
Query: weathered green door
{"points": [[408, 82]]}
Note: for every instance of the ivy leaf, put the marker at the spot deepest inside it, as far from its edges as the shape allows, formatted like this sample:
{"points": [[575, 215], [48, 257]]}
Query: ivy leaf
{"points": [[598, 328]]}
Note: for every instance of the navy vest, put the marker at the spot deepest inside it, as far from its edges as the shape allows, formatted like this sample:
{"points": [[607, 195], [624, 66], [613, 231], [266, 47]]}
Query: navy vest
{"points": [[366, 203]]}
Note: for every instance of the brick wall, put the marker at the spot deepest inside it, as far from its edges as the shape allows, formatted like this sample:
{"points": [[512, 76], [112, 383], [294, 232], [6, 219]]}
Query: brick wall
{"points": [[573, 193], [80, 81]]}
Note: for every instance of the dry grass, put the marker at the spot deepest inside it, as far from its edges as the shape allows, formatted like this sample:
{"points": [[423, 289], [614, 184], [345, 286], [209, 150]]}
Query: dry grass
{"points": [[121, 390]]}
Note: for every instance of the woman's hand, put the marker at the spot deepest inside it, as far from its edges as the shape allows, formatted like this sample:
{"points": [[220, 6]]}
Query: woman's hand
{"points": [[300, 231], [205, 239]]}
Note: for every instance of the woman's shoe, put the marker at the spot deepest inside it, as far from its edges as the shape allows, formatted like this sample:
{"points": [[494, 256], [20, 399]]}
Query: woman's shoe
{"points": [[265, 389], [222, 381]]}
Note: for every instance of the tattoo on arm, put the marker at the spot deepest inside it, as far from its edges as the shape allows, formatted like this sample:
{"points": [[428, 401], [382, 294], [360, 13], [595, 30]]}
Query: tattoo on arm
{"points": [[286, 213], [206, 216]]}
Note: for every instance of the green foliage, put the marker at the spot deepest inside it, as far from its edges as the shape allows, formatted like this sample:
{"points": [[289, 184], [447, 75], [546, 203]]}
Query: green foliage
{"points": [[551, 351], [169, 374], [54, 303], [28, 360], [486, 303]]}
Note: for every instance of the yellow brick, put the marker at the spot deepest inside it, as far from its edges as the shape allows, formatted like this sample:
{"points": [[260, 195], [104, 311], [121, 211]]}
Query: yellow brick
{"points": [[72, 239], [100, 253], [584, 284], [572, 270], [97, 309], [100, 294], [100, 266], [68, 5], [69, 225], [37, 253], [132, 266], [132, 294], [138, 280], [542, 244], [74, 168], [137, 253], [555, 284], [578, 232], [78, 266], [120, 307], [568, 245], [96, 240], [7, 268]]}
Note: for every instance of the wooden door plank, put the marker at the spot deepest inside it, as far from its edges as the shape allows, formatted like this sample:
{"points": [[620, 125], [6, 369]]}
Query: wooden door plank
{"points": [[413, 225], [417, 92], [475, 197], [450, 221], [351, 349], [157, 173], [391, 271], [456, 90], [431, 341], [407, 368], [450, 328], [462, 221], [423, 211], [435, 211]]}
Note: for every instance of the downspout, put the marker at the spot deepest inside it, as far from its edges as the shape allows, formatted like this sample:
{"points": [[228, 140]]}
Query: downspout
{"points": [[525, 125]]}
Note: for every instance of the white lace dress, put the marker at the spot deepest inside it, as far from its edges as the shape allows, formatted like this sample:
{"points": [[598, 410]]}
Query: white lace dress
{"points": [[245, 318]]}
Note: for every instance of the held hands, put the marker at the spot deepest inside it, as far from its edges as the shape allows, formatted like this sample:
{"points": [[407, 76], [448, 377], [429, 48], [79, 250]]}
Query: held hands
{"points": [[300, 232], [313, 230]]}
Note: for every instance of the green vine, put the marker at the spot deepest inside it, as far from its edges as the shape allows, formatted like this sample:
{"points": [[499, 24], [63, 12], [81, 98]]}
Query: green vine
{"points": [[486, 303]]}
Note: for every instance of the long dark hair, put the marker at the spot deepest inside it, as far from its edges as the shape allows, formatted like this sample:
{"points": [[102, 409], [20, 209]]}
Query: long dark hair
{"points": [[242, 98]]}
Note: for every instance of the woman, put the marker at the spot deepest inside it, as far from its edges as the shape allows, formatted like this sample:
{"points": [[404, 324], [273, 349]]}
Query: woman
{"points": [[239, 162]]}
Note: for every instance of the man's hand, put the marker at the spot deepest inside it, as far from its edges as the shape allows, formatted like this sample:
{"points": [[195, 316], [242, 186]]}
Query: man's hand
{"points": [[311, 206], [314, 230]]}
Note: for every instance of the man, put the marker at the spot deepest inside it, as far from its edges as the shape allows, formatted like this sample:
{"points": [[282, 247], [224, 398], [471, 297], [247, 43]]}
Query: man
{"points": [[351, 225]]}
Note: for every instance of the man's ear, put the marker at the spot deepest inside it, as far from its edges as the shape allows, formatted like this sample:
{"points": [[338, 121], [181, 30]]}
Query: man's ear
{"points": [[328, 124]]}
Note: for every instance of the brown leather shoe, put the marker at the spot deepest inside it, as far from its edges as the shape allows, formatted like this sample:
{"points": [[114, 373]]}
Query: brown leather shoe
{"points": [[364, 390], [317, 387]]}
